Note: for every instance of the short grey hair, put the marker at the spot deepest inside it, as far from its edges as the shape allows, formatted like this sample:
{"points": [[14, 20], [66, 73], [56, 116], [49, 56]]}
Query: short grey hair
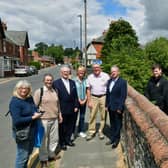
{"points": [[116, 67], [22, 83], [65, 67]]}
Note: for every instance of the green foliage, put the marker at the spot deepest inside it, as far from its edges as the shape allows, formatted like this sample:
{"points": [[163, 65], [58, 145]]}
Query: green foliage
{"points": [[56, 52], [36, 64], [120, 34], [121, 48], [72, 53], [40, 48], [157, 52]]}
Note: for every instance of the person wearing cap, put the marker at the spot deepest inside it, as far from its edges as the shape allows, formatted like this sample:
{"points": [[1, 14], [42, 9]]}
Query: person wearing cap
{"points": [[96, 94]]}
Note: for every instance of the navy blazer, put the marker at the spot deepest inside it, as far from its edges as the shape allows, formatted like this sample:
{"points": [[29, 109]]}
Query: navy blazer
{"points": [[68, 101], [115, 99]]}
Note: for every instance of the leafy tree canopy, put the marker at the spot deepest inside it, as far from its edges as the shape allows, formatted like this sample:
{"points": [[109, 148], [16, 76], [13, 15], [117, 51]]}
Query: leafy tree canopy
{"points": [[40, 48], [157, 52], [121, 48]]}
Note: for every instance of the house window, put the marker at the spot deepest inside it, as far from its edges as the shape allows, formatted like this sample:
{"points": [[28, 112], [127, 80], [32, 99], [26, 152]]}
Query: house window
{"points": [[4, 46], [7, 65]]}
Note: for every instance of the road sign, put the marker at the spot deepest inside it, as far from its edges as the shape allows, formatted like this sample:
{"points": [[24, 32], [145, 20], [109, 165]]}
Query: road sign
{"points": [[97, 61]]}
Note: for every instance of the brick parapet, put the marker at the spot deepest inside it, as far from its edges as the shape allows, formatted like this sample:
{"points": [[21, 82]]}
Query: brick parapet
{"points": [[147, 123]]}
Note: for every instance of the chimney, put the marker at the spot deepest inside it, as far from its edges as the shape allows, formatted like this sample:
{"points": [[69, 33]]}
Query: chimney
{"points": [[4, 25], [104, 32]]}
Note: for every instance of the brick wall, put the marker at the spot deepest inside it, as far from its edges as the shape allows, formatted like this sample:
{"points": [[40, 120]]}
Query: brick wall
{"points": [[144, 134]]}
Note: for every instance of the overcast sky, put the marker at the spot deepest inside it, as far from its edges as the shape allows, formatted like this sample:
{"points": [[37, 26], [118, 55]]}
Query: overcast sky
{"points": [[57, 21]]}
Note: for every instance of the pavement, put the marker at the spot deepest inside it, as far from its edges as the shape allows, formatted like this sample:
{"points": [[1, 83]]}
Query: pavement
{"points": [[86, 154]]}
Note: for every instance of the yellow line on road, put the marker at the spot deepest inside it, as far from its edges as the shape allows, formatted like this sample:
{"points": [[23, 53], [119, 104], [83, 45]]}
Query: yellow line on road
{"points": [[6, 80]]}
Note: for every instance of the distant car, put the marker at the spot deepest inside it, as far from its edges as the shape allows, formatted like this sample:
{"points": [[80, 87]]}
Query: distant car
{"points": [[22, 70], [33, 70]]}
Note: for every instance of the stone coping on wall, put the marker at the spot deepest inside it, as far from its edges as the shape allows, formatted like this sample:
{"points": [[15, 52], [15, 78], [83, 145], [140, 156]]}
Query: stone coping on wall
{"points": [[153, 123]]}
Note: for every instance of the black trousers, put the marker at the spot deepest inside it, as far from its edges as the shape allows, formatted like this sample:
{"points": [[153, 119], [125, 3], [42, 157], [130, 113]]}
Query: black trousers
{"points": [[115, 125], [66, 128]]}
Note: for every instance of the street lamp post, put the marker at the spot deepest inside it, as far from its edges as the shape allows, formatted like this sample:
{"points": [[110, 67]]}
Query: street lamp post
{"points": [[80, 17], [85, 6]]}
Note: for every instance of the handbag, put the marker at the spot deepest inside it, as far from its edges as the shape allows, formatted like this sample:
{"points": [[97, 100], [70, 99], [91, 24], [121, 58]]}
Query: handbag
{"points": [[22, 134], [39, 133]]}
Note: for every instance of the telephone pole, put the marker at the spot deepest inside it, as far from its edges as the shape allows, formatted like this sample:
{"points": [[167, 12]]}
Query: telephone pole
{"points": [[85, 8]]}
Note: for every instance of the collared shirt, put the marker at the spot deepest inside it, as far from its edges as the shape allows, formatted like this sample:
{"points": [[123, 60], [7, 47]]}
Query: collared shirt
{"points": [[97, 84], [112, 84], [81, 87], [66, 83]]}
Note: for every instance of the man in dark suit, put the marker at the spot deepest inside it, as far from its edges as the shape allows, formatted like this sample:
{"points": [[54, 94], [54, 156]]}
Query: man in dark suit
{"points": [[68, 98], [115, 99]]}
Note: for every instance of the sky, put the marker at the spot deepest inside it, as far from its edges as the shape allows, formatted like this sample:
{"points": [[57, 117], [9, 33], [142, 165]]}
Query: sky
{"points": [[57, 22]]}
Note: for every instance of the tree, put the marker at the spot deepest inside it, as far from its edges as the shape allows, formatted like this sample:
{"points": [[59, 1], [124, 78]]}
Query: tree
{"points": [[121, 48], [120, 34], [157, 52], [41, 47], [56, 52]]}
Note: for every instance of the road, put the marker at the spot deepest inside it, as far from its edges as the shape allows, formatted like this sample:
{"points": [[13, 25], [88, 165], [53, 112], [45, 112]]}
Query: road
{"points": [[7, 144], [86, 154]]}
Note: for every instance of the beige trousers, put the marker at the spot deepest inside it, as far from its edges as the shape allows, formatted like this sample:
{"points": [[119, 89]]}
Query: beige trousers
{"points": [[98, 105], [50, 139]]}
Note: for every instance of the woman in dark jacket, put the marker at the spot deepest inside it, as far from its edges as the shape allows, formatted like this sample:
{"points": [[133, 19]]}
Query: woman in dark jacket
{"points": [[23, 112]]}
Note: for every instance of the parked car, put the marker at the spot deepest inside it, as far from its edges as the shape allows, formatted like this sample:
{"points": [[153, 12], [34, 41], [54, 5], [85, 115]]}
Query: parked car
{"points": [[22, 70], [33, 69]]}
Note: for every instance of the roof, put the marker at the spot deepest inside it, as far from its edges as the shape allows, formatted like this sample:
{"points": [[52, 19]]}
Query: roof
{"points": [[99, 39], [1, 30], [18, 37]]}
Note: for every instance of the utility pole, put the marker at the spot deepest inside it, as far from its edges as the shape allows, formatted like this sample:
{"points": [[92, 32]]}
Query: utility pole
{"points": [[85, 7], [80, 17], [81, 52]]}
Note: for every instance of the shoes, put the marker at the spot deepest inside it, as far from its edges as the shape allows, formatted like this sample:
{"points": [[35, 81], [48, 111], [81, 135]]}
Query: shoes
{"points": [[50, 159], [70, 144], [43, 164], [73, 137], [89, 137], [115, 144], [64, 147], [82, 134], [101, 136], [108, 143]]}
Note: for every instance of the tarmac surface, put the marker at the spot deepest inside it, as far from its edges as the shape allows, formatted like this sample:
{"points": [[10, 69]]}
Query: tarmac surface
{"points": [[86, 154]]}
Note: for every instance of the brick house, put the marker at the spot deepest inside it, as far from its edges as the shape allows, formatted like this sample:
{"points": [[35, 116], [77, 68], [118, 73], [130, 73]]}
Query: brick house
{"points": [[20, 38], [13, 49], [94, 48]]}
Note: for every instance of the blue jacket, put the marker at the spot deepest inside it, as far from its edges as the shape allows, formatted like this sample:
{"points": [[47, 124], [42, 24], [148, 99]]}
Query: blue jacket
{"points": [[22, 111], [115, 99], [68, 102]]}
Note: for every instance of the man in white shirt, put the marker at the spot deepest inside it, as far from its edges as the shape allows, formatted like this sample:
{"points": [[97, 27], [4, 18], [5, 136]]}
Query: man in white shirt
{"points": [[96, 93]]}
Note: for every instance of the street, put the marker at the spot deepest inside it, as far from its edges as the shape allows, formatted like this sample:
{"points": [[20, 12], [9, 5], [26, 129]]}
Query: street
{"points": [[7, 144], [86, 154]]}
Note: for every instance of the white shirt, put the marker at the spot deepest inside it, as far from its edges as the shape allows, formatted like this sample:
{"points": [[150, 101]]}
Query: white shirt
{"points": [[97, 84], [112, 84], [66, 83]]}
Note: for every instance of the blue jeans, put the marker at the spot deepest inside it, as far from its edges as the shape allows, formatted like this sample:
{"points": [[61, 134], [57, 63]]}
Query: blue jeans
{"points": [[81, 125], [24, 150]]}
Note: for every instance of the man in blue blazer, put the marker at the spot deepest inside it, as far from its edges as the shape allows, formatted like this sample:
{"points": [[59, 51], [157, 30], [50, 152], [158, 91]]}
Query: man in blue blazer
{"points": [[68, 98], [115, 99]]}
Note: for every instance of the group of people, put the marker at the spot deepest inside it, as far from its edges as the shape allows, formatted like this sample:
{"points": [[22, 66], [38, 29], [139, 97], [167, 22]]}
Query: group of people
{"points": [[59, 105]]}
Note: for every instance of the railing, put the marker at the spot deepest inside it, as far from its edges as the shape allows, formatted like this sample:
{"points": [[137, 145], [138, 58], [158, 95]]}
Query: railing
{"points": [[145, 133]]}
